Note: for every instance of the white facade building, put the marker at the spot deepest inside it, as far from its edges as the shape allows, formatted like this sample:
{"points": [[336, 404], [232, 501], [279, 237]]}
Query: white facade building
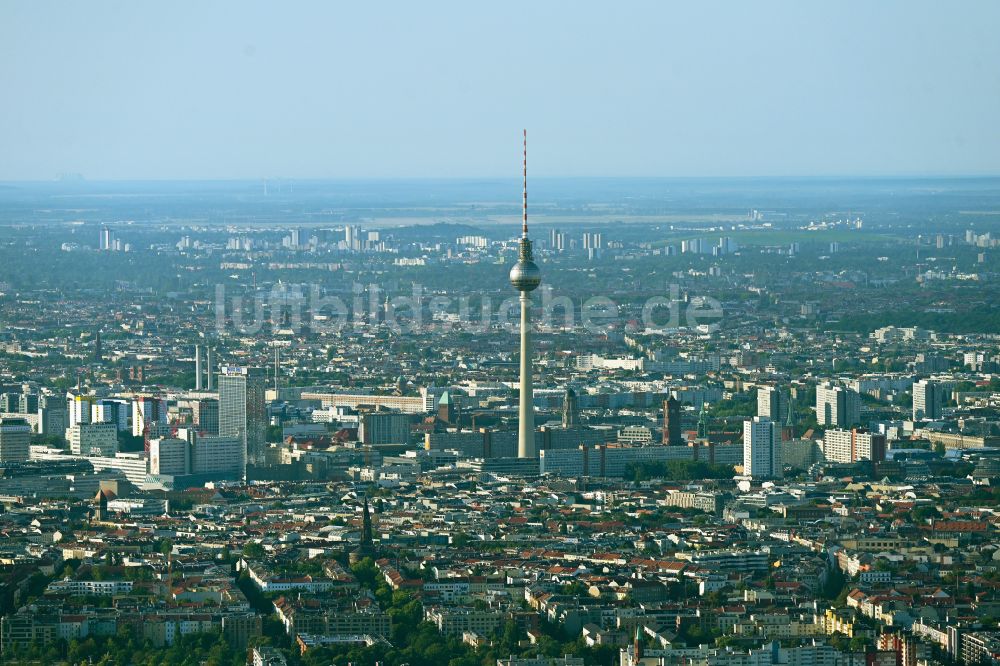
{"points": [[761, 448]]}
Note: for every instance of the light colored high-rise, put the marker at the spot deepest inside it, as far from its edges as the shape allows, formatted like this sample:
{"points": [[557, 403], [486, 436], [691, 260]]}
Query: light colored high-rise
{"points": [[242, 411], [147, 410], [93, 439], [15, 440], [837, 405], [169, 456], [761, 448], [926, 400], [525, 277], [215, 456], [79, 408], [772, 403], [109, 410], [849, 446]]}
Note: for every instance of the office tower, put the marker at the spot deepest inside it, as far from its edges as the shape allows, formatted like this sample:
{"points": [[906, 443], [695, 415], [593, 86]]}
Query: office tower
{"points": [[27, 403], [849, 446], [295, 238], [242, 411], [206, 416], [145, 411], [93, 439], [352, 237], [837, 405], [169, 456], [771, 402], [106, 242], [79, 408], [570, 409], [761, 448], [525, 277], [672, 422], [108, 410], [215, 456], [15, 440], [197, 367], [926, 400], [385, 428], [9, 402], [53, 419]]}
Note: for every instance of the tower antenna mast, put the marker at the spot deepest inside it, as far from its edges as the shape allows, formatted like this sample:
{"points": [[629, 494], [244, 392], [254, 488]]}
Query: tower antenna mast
{"points": [[524, 173]]}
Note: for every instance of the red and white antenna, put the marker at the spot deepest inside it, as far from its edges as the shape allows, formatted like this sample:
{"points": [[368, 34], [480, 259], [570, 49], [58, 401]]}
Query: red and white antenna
{"points": [[524, 171]]}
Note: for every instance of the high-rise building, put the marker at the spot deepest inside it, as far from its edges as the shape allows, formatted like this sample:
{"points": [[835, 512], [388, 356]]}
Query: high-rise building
{"points": [[27, 403], [849, 446], [761, 448], [525, 277], [242, 411], [772, 403], [385, 427], [53, 419], [109, 410], [205, 414], [837, 405], [79, 408], [352, 237], [15, 440], [570, 409], [215, 456], [93, 439], [672, 422], [9, 402], [926, 400], [147, 410], [169, 456], [107, 238], [193, 453]]}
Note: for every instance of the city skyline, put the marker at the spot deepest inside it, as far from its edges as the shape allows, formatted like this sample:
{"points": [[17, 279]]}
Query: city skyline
{"points": [[302, 408]]}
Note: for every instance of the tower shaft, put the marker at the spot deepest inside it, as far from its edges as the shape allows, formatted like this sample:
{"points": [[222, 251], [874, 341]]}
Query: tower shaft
{"points": [[526, 411], [197, 367]]}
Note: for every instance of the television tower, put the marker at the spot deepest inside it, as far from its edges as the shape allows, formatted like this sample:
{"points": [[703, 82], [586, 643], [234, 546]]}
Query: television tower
{"points": [[525, 277]]}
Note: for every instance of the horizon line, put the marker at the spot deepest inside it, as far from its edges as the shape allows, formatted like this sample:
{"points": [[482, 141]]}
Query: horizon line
{"points": [[333, 179]]}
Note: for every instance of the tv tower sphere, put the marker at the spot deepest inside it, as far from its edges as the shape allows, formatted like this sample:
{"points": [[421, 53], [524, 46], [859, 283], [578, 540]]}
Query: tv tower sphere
{"points": [[524, 275]]}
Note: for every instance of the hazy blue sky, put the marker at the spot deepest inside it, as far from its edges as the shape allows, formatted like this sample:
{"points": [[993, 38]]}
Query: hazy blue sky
{"points": [[342, 89]]}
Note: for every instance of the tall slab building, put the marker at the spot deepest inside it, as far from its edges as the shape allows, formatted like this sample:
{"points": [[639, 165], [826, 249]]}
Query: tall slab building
{"points": [[242, 409]]}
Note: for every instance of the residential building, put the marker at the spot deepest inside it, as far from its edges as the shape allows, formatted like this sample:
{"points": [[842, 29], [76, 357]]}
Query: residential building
{"points": [[761, 448]]}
